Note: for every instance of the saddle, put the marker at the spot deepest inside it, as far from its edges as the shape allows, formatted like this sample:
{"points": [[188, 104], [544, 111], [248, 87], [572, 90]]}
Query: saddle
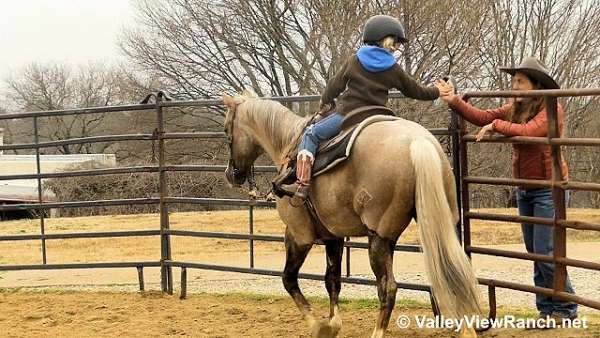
{"points": [[337, 149]]}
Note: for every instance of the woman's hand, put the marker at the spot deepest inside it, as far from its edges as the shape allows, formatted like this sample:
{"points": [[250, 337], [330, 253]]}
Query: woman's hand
{"points": [[446, 90], [486, 129]]}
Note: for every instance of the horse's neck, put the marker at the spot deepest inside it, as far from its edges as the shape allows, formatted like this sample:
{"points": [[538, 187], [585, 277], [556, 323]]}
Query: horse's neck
{"points": [[276, 132]]}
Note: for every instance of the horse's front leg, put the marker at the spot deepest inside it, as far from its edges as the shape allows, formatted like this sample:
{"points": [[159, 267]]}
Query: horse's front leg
{"points": [[381, 253], [333, 281], [295, 256]]}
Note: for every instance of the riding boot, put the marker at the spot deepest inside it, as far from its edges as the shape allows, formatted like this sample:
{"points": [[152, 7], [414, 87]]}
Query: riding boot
{"points": [[301, 187]]}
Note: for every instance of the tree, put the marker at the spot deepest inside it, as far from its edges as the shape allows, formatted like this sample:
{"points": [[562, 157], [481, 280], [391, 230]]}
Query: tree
{"points": [[288, 47], [204, 47], [43, 87], [199, 48]]}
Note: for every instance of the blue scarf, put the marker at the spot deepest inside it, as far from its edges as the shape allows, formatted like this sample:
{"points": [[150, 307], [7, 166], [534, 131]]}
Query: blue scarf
{"points": [[375, 59]]}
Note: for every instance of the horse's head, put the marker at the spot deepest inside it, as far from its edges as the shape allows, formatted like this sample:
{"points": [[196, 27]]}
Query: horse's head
{"points": [[243, 147]]}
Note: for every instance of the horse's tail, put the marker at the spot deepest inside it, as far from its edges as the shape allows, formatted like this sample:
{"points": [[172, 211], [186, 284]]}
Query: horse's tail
{"points": [[453, 282]]}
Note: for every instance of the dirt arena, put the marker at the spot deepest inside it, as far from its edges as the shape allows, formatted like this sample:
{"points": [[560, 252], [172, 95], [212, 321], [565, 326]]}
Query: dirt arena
{"points": [[74, 314], [67, 303]]}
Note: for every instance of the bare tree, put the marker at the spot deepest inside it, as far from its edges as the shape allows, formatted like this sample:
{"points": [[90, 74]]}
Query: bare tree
{"points": [[204, 47], [292, 46], [199, 48], [55, 87]]}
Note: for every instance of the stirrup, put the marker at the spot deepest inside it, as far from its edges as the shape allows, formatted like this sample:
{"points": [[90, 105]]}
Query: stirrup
{"points": [[302, 191], [282, 176], [297, 189]]}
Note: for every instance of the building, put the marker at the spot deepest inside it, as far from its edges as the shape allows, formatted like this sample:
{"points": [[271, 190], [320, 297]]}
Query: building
{"points": [[26, 191]]}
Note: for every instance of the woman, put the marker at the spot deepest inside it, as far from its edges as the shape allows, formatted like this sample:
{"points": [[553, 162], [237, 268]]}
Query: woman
{"points": [[364, 80], [526, 116]]}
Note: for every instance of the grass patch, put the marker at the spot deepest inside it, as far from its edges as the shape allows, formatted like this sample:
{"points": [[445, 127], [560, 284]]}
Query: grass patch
{"points": [[347, 303]]}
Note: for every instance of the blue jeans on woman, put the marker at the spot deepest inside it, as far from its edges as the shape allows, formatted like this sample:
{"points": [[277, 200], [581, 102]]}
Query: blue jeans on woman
{"points": [[539, 239], [320, 131]]}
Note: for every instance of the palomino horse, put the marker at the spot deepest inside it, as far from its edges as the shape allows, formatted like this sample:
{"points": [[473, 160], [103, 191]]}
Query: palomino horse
{"points": [[397, 171]]}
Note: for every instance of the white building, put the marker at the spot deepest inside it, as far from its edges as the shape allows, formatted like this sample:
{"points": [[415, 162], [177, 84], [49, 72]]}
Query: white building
{"points": [[26, 191]]}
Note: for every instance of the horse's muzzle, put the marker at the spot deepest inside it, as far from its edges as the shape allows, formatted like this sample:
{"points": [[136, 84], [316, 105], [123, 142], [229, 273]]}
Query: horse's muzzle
{"points": [[234, 176]]}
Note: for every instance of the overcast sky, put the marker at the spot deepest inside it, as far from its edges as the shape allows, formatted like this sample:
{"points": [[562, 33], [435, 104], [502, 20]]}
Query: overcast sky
{"points": [[69, 31]]}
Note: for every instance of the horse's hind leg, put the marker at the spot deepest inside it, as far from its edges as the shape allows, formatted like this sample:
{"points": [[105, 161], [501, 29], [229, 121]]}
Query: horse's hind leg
{"points": [[295, 256], [333, 281], [381, 252]]}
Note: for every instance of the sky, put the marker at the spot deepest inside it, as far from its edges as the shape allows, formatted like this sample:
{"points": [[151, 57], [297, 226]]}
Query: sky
{"points": [[65, 31]]}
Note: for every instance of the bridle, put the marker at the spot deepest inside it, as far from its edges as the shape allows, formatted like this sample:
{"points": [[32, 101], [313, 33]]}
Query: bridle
{"points": [[253, 190], [229, 136]]}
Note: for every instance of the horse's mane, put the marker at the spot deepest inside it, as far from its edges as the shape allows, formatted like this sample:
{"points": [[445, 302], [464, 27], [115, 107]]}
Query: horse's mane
{"points": [[279, 124]]}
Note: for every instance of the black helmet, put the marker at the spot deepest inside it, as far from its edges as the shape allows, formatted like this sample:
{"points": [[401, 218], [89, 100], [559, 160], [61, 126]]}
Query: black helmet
{"points": [[380, 26]]}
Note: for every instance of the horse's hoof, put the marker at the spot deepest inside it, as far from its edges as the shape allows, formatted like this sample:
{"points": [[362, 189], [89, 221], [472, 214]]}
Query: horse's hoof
{"points": [[336, 325], [322, 329], [467, 332], [378, 333]]}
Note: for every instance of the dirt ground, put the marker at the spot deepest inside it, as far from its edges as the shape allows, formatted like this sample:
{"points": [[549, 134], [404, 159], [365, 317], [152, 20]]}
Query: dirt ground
{"points": [[76, 314], [58, 308]]}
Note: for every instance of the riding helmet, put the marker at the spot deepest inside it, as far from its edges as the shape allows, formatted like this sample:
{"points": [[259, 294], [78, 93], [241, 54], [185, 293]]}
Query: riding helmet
{"points": [[380, 26]]}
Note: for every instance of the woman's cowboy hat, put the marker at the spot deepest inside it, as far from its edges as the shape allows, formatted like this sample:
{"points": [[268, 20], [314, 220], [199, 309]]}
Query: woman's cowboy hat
{"points": [[536, 70]]}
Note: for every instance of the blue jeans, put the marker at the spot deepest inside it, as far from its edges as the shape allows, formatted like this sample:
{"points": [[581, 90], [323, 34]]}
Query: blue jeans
{"points": [[539, 239], [320, 131]]}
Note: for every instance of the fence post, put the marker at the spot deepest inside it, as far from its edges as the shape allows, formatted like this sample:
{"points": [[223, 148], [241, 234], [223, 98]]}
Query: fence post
{"points": [[39, 185], [558, 194], [456, 149], [251, 232], [166, 272], [464, 186], [347, 258]]}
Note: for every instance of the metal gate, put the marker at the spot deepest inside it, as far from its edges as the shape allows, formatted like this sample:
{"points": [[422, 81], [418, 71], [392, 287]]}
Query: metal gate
{"points": [[558, 185]]}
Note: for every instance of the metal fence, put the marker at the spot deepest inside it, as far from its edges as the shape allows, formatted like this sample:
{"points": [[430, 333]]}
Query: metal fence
{"points": [[458, 151], [161, 106]]}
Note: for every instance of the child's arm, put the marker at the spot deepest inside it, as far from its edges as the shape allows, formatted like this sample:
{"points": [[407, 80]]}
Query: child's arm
{"points": [[335, 86], [411, 88]]}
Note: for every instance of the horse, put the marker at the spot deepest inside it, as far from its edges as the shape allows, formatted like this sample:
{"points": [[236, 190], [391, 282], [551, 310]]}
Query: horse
{"points": [[397, 171]]}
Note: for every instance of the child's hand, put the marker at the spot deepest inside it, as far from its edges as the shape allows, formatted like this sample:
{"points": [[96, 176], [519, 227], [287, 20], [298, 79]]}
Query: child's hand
{"points": [[325, 107], [486, 129], [446, 90]]}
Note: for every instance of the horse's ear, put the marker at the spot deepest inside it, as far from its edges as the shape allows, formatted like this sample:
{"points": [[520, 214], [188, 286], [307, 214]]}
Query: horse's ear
{"points": [[229, 101]]}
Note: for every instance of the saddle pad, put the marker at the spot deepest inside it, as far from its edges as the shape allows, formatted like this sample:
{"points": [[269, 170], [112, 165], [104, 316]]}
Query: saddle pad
{"points": [[338, 149]]}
